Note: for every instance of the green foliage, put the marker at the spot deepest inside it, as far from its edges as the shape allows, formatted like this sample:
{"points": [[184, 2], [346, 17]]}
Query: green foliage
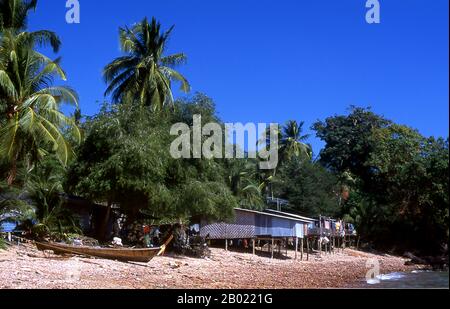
{"points": [[398, 180], [52, 215], [144, 75], [125, 160], [310, 189], [348, 142], [14, 13], [243, 180], [31, 122], [40, 199], [2, 244], [293, 141]]}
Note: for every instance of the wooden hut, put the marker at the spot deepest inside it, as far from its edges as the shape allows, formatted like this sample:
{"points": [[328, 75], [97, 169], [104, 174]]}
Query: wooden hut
{"points": [[268, 226]]}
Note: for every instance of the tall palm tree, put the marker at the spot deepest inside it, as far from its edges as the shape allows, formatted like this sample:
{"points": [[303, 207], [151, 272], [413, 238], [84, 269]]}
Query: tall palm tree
{"points": [[32, 124], [144, 74], [293, 142], [13, 13], [14, 19]]}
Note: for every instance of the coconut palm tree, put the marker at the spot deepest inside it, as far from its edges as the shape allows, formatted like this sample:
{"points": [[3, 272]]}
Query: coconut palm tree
{"points": [[32, 124], [243, 182], [13, 13], [14, 18], [293, 142], [144, 74]]}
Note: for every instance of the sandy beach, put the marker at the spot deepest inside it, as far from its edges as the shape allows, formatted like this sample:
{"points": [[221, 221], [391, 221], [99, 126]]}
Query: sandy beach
{"points": [[23, 267]]}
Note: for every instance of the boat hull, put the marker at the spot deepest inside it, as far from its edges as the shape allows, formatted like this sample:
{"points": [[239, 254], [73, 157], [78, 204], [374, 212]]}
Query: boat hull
{"points": [[120, 254]]}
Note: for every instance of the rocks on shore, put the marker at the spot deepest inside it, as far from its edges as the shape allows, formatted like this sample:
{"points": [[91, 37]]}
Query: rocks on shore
{"points": [[436, 263], [25, 267]]}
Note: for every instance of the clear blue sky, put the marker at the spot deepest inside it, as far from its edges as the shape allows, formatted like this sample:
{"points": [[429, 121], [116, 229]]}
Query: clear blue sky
{"points": [[270, 61]]}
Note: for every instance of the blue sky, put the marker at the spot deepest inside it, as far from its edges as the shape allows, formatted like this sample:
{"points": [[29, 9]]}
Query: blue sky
{"points": [[271, 61]]}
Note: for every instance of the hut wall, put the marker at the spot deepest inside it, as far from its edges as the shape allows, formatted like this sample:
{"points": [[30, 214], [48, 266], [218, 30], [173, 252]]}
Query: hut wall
{"points": [[278, 227], [252, 225], [243, 227]]}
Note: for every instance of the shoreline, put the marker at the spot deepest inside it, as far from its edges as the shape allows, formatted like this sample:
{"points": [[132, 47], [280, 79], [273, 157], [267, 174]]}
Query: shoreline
{"points": [[24, 267]]}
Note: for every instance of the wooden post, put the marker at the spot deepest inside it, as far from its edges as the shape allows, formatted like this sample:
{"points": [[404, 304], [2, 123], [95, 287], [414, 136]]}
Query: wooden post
{"points": [[319, 245], [273, 244], [301, 248], [253, 246], [226, 244], [296, 247], [357, 244], [307, 249], [286, 245]]}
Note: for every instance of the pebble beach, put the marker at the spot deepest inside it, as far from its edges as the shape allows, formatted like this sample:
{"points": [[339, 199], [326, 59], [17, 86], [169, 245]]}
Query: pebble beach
{"points": [[24, 267]]}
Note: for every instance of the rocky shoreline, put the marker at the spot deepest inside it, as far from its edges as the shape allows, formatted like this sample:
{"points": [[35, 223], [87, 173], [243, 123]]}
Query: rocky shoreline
{"points": [[23, 267]]}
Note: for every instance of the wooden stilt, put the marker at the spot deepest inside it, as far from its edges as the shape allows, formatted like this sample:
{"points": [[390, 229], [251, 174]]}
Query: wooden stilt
{"points": [[307, 249], [273, 243], [226, 244], [301, 248], [319, 244], [296, 247], [254, 246], [286, 245]]}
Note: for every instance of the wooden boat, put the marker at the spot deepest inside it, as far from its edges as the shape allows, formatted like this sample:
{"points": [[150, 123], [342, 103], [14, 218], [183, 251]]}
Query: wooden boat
{"points": [[119, 254]]}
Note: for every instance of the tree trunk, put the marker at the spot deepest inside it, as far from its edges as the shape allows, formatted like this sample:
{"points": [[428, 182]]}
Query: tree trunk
{"points": [[101, 233], [12, 172]]}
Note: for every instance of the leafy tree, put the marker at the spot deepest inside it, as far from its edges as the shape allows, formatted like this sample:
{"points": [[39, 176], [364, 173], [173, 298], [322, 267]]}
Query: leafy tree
{"points": [[310, 189], [40, 200], [348, 142], [144, 75], [393, 177], [125, 160], [411, 180], [243, 180]]}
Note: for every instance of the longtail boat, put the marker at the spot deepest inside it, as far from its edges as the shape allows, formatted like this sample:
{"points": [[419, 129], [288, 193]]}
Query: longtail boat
{"points": [[119, 254]]}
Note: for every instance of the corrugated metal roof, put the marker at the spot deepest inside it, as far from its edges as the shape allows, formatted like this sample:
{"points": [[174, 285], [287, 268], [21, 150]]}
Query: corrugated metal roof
{"points": [[310, 220], [279, 214]]}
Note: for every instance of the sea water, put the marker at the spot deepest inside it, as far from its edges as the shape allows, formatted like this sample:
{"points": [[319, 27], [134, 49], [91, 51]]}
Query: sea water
{"points": [[413, 280]]}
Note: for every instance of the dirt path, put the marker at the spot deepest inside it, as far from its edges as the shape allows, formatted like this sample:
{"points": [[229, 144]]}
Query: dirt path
{"points": [[25, 267]]}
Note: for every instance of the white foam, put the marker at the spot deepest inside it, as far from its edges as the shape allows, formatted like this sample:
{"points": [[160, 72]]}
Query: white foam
{"points": [[393, 276]]}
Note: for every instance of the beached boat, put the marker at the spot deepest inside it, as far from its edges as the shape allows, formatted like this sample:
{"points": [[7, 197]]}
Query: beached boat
{"points": [[119, 254]]}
